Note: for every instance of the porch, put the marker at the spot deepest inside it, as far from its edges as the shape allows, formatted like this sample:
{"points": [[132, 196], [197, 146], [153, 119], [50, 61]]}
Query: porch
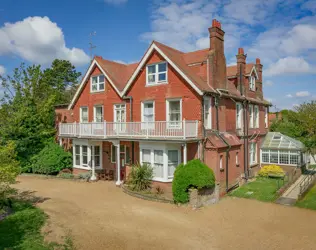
{"points": [[183, 130], [112, 160]]}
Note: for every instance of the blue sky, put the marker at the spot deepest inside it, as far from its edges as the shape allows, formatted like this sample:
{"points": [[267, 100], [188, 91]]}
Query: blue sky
{"points": [[281, 33]]}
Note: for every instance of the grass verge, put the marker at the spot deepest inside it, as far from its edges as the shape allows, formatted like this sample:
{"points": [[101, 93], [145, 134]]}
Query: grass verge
{"points": [[309, 200], [22, 229], [262, 189]]}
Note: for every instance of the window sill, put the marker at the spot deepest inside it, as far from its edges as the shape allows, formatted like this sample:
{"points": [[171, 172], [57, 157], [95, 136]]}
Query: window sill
{"points": [[155, 84], [162, 180], [95, 92], [254, 165], [81, 167]]}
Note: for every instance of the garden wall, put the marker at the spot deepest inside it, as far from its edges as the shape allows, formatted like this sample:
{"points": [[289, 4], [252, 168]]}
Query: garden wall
{"points": [[204, 197]]}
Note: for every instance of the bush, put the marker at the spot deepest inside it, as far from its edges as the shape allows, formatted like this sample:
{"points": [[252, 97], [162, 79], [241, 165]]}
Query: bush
{"points": [[140, 177], [51, 160], [66, 175], [271, 170], [194, 174]]}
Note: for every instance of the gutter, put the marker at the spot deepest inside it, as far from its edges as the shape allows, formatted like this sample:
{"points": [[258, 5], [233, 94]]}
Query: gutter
{"points": [[130, 98], [223, 139]]}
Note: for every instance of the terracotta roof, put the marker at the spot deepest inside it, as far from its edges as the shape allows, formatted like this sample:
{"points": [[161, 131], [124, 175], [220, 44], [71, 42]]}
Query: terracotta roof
{"points": [[217, 142], [231, 71], [118, 72]]}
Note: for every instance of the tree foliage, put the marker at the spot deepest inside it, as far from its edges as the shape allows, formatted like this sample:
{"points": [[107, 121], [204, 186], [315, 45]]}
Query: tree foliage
{"points": [[194, 174], [299, 124], [27, 114], [51, 160]]}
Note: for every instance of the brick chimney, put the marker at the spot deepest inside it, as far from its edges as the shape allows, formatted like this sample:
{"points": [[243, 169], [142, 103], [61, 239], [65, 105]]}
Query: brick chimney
{"points": [[259, 81], [217, 60], [241, 71]]}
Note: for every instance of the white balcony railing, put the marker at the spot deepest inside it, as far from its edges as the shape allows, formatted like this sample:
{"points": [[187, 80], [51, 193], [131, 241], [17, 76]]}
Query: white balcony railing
{"points": [[142, 130]]}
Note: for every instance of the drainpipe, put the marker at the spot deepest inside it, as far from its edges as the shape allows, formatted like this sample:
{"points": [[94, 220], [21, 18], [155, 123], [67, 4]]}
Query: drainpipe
{"points": [[130, 98], [223, 139]]}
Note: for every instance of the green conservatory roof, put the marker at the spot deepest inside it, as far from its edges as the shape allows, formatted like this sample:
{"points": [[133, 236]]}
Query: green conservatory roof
{"points": [[277, 140]]}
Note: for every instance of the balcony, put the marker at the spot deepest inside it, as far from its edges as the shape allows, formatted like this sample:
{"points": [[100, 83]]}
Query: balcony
{"points": [[158, 130]]}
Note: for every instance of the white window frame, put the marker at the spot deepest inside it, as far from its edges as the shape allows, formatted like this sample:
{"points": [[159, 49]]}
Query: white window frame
{"points": [[121, 107], [221, 162], [95, 113], [113, 147], [90, 154], [156, 74], [252, 83], [256, 114], [81, 108], [165, 148], [173, 126], [266, 117], [251, 115], [97, 84], [144, 125], [289, 153], [239, 115], [207, 110], [253, 150]]}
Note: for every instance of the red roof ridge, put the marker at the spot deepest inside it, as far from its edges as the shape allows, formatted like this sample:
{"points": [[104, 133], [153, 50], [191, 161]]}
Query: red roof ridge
{"points": [[159, 43]]}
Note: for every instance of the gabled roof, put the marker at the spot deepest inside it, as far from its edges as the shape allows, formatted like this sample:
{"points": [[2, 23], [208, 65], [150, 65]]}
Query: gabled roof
{"points": [[231, 71], [276, 140]]}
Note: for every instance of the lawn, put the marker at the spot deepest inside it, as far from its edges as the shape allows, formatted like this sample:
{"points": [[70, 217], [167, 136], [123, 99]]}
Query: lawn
{"points": [[263, 189], [309, 201], [22, 229]]}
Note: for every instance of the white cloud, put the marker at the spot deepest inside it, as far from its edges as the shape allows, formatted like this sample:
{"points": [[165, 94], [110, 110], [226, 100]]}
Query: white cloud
{"points": [[268, 83], [302, 94], [115, 1], [289, 96], [2, 70], [38, 40], [289, 65]]}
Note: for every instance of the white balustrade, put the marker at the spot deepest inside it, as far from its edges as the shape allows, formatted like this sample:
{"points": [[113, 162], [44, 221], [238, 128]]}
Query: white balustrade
{"points": [[141, 130]]}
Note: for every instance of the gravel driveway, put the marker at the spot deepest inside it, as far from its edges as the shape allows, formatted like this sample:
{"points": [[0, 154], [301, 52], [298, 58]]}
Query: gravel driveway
{"points": [[100, 216]]}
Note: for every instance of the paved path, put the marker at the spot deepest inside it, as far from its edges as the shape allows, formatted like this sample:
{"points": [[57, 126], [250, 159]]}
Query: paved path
{"points": [[290, 196], [101, 216]]}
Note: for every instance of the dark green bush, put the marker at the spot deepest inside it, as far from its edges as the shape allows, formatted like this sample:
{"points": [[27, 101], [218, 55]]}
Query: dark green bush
{"points": [[51, 160], [140, 177], [194, 174]]}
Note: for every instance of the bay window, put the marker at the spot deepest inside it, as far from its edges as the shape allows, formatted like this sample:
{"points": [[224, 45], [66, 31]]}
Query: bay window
{"points": [[148, 115], [163, 158], [174, 113], [97, 83], [85, 154], [157, 73]]}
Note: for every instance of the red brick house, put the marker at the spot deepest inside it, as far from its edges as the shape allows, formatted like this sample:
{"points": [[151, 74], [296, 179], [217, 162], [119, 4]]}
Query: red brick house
{"points": [[169, 108]]}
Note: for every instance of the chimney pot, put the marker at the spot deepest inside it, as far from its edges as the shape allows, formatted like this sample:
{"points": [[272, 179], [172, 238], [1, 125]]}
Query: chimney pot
{"points": [[258, 61], [214, 23], [240, 51]]}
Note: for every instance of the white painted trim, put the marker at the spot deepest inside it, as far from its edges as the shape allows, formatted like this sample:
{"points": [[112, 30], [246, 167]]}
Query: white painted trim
{"points": [[78, 92], [209, 122], [98, 83], [80, 115], [167, 112], [94, 112], [142, 62], [157, 74], [253, 70]]}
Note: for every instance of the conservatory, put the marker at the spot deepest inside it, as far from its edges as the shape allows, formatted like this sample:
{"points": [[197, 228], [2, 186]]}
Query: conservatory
{"points": [[280, 149]]}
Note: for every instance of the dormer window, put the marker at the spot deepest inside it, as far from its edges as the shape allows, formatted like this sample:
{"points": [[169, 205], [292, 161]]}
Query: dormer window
{"points": [[157, 73], [252, 83], [97, 83]]}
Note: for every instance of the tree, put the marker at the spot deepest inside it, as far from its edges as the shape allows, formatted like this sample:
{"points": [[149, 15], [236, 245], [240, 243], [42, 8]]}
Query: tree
{"points": [[27, 114], [299, 124]]}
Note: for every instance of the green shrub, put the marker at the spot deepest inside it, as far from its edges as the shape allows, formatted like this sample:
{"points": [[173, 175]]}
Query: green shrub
{"points": [[140, 177], [66, 175], [274, 170], [84, 176], [51, 160], [194, 174]]}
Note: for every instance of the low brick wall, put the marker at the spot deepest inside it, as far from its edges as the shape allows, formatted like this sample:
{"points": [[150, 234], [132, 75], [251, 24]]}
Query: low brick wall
{"points": [[204, 197]]}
